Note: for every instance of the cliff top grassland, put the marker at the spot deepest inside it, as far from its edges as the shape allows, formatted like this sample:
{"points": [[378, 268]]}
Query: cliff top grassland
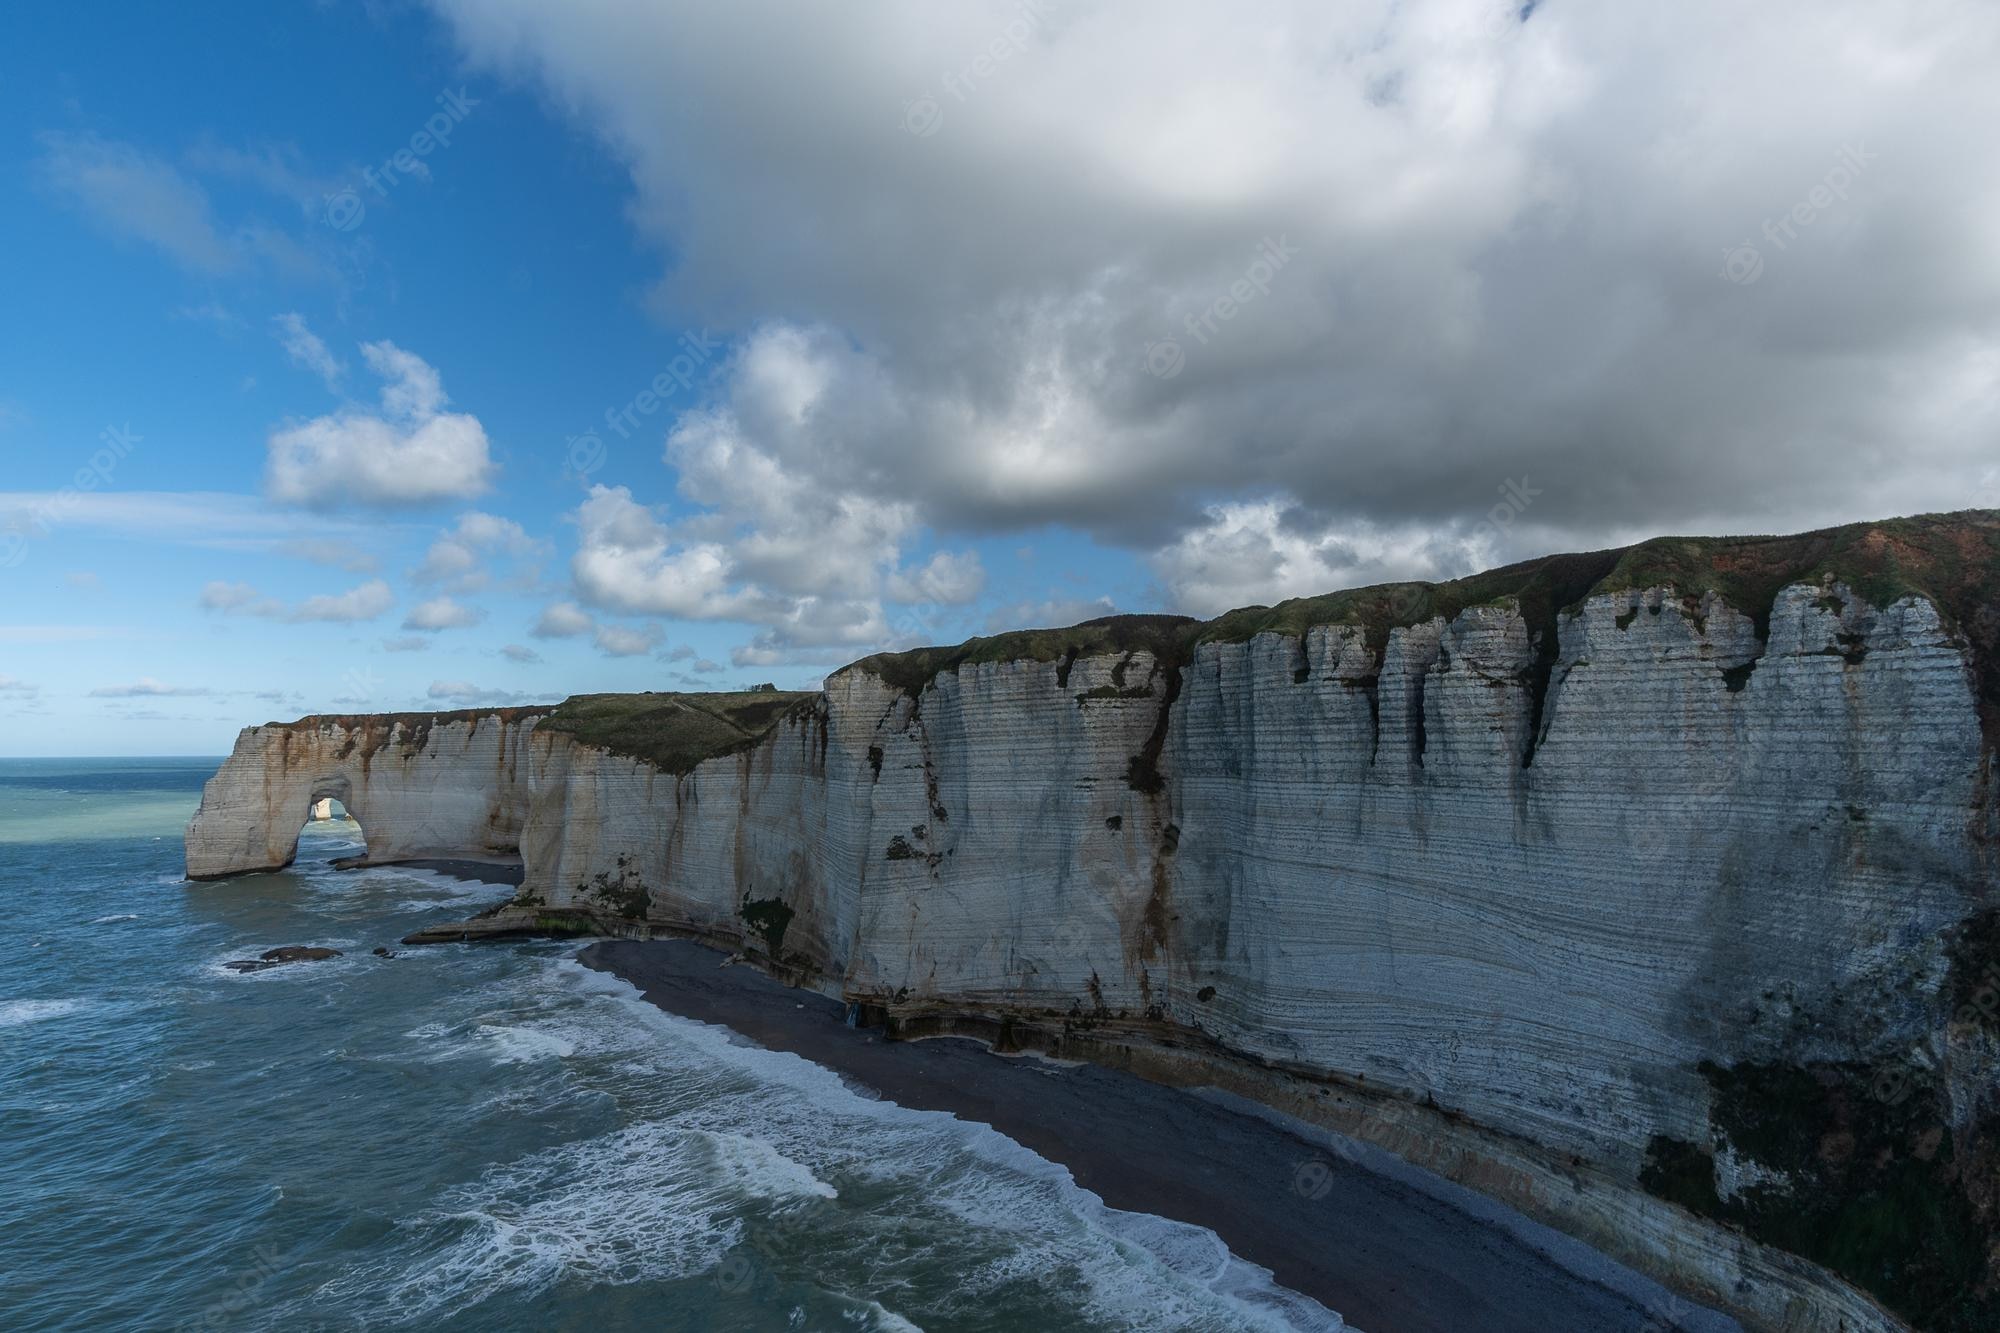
{"points": [[1953, 560], [673, 732], [1166, 637]]}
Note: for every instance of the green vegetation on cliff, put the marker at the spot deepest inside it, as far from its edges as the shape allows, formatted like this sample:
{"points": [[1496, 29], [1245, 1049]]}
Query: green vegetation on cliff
{"points": [[1166, 637], [1868, 1168], [673, 732], [1951, 559]]}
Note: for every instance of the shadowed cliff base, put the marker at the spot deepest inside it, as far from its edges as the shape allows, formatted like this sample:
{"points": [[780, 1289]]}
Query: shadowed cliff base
{"points": [[1389, 1248]]}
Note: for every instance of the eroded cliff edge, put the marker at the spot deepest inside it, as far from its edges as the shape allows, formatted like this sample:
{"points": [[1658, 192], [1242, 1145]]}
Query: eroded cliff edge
{"points": [[1651, 890]]}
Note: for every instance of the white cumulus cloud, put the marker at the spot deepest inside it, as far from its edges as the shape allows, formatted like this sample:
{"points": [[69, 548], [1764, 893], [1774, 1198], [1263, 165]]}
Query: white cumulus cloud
{"points": [[562, 620], [626, 641], [218, 595], [411, 452], [442, 613], [365, 602], [952, 578], [457, 555]]}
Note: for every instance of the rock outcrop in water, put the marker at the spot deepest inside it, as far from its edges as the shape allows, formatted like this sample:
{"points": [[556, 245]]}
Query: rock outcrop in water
{"points": [[289, 953], [1651, 890]]}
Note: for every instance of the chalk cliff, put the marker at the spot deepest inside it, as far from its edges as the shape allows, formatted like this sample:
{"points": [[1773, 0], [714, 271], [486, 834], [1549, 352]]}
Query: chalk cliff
{"points": [[1652, 890], [420, 784]]}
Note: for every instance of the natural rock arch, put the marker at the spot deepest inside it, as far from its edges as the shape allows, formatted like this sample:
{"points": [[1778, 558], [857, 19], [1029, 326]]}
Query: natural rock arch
{"points": [[446, 786]]}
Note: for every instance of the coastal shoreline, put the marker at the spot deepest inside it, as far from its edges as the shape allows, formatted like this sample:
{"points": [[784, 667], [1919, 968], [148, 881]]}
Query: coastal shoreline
{"points": [[1385, 1248]]}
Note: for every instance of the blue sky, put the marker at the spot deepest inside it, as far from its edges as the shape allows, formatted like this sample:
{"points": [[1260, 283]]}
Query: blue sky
{"points": [[394, 354], [510, 268]]}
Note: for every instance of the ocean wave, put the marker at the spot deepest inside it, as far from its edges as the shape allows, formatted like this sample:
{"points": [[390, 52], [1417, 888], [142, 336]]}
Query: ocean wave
{"points": [[518, 1045], [885, 1320], [1128, 1270], [113, 919], [762, 1171], [630, 1206]]}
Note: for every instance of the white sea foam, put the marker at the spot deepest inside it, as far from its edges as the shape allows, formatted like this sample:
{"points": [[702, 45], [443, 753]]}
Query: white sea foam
{"points": [[1137, 1271], [761, 1170], [19, 1013], [517, 1045], [635, 1205], [734, 1157]]}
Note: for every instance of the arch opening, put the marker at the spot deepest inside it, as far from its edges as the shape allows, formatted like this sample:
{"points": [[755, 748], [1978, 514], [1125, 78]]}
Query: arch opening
{"points": [[329, 830]]}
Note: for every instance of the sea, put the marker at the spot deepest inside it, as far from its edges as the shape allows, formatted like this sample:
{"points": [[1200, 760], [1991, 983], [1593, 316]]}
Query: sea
{"points": [[485, 1136]]}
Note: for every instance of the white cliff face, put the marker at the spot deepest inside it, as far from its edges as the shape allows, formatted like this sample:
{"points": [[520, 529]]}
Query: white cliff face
{"points": [[1353, 870], [1005, 854], [453, 785], [1314, 860], [1394, 869], [1552, 949], [603, 828], [979, 843]]}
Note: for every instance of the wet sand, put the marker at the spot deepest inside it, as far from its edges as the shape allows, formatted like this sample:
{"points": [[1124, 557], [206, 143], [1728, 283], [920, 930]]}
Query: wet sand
{"points": [[1392, 1248]]}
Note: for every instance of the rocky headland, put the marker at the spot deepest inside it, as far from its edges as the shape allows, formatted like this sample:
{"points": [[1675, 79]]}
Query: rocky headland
{"points": [[1650, 891]]}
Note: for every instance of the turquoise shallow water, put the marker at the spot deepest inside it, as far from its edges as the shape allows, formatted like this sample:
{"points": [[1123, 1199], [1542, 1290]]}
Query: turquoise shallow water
{"points": [[472, 1137]]}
